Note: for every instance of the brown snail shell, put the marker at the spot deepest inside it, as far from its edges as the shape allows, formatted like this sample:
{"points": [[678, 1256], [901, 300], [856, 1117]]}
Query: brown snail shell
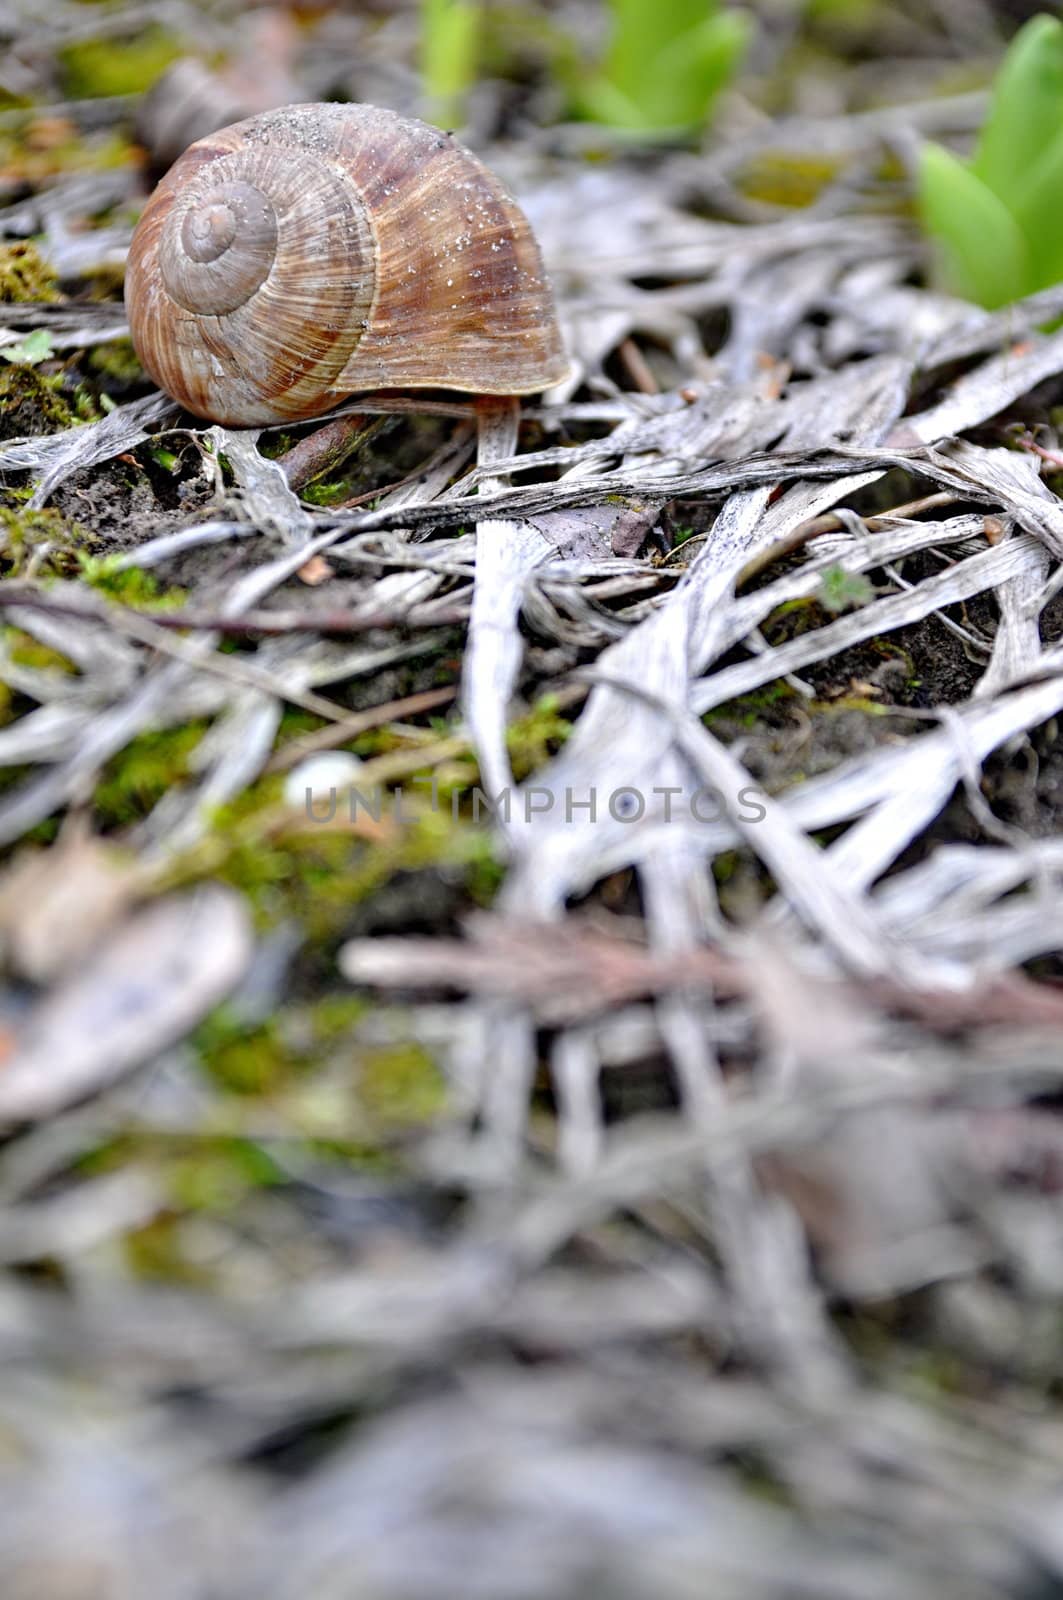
{"points": [[321, 250]]}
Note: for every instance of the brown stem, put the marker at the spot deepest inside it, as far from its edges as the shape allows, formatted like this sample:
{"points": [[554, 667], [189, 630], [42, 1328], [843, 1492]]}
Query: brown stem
{"points": [[323, 450]]}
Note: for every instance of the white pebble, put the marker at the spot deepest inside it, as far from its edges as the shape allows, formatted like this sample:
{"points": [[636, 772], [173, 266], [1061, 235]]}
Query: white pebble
{"points": [[320, 775]]}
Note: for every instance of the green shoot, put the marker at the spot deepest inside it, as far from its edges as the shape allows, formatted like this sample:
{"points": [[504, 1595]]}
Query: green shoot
{"points": [[34, 348], [843, 591], [666, 63], [450, 51], [996, 221]]}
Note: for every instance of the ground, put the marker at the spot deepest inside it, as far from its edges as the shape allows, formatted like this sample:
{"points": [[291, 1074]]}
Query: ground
{"points": [[602, 1137]]}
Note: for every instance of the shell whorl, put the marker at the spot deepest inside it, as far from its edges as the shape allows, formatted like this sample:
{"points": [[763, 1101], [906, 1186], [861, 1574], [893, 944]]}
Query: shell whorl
{"points": [[220, 247], [303, 255]]}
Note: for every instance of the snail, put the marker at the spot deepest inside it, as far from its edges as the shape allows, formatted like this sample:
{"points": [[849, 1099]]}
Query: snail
{"points": [[319, 251]]}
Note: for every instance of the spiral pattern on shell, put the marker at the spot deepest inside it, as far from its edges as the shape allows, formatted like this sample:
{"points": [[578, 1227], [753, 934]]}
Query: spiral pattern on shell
{"points": [[314, 252]]}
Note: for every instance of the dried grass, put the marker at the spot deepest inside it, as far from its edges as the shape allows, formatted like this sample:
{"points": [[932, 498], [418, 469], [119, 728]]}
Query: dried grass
{"points": [[571, 1349]]}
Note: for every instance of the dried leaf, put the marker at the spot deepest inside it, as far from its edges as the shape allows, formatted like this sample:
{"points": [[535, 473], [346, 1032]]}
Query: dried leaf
{"points": [[148, 983], [56, 904]]}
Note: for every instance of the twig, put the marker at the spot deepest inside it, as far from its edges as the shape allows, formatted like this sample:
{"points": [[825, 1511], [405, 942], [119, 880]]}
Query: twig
{"points": [[833, 522], [412, 705], [265, 623]]}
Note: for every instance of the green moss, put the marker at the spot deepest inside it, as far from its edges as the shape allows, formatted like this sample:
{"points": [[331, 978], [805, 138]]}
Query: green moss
{"points": [[853, 13], [156, 1252], [106, 283], [199, 1172], [268, 1057], [758, 1479], [116, 360], [312, 880], [100, 67], [134, 781], [748, 709], [725, 866], [888, 648], [334, 1015], [45, 534], [26, 651], [325, 494], [380, 742], [271, 445], [131, 586], [784, 178], [292, 869], [103, 155], [241, 1059], [307, 1058], [793, 618], [31, 401], [86, 408], [218, 1173], [401, 1086], [25, 275], [36, 148], [44, 833], [346, 468], [35, 402], [850, 702], [484, 873], [534, 738]]}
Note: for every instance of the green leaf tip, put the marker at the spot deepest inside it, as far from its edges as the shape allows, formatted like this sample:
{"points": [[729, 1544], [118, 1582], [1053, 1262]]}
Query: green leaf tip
{"points": [[997, 222]]}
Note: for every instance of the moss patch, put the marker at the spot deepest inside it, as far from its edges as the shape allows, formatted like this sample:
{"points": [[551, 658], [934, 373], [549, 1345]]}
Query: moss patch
{"points": [[117, 362], [534, 738], [45, 535], [134, 782], [31, 402], [131, 586], [25, 651], [307, 1057], [748, 710], [268, 1056], [317, 876], [25, 275], [401, 1086], [781, 178], [98, 67], [38, 147]]}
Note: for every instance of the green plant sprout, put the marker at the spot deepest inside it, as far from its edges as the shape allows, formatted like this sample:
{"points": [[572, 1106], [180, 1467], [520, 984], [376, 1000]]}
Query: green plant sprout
{"points": [[996, 221], [35, 347], [843, 591], [450, 54], [666, 63]]}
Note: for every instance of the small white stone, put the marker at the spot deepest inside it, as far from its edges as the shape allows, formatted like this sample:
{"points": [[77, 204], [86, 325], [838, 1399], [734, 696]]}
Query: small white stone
{"points": [[319, 775]]}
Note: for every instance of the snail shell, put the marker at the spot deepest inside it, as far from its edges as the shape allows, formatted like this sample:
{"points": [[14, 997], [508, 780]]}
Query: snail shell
{"points": [[316, 251]]}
